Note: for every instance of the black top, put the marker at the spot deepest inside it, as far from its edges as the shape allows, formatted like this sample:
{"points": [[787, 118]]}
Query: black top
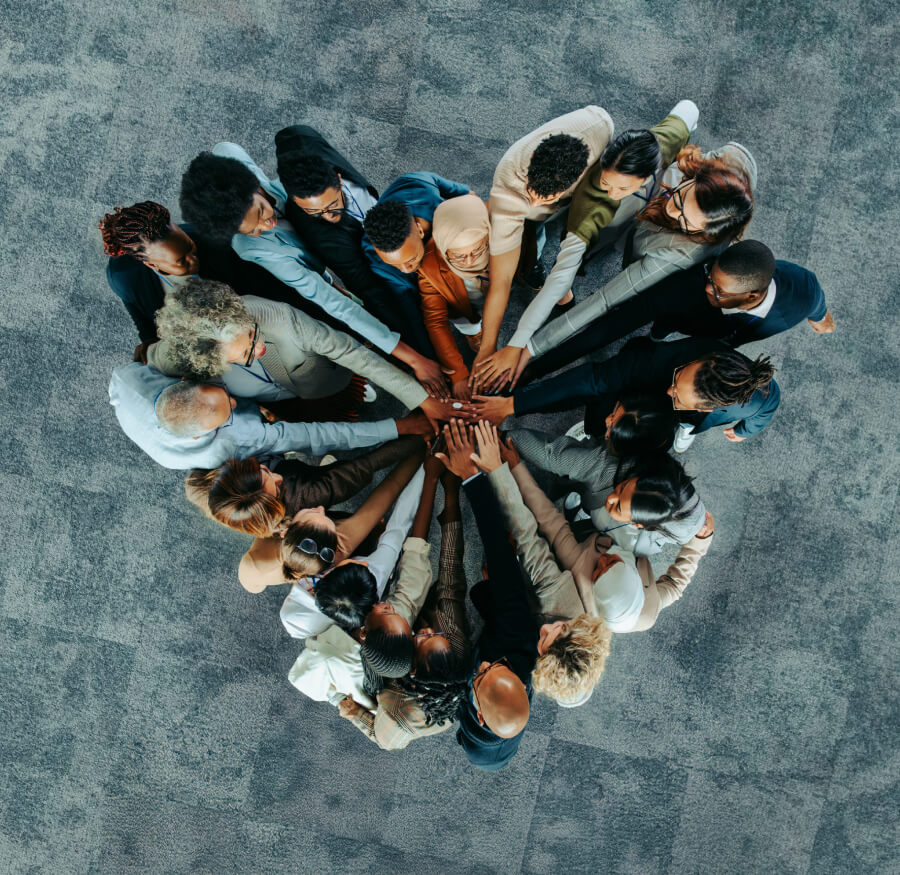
{"points": [[510, 629]]}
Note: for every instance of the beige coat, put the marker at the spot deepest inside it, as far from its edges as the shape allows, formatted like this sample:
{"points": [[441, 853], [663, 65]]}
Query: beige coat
{"points": [[509, 205]]}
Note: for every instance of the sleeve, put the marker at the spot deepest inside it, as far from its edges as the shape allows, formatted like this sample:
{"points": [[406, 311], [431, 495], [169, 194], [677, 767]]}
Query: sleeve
{"points": [[680, 573], [343, 480], [140, 292], [639, 275], [560, 280], [447, 188], [518, 628], [284, 264], [449, 591], [364, 721], [819, 307], [570, 388], [674, 131], [760, 418], [301, 618], [537, 557], [413, 579], [437, 323], [383, 559], [550, 521], [316, 338], [318, 438]]}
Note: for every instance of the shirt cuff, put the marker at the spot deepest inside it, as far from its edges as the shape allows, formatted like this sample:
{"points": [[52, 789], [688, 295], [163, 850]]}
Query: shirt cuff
{"points": [[470, 479], [688, 112]]}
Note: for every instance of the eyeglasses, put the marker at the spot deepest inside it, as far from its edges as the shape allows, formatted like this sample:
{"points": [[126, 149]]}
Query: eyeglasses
{"points": [[311, 548], [253, 340], [677, 197], [675, 397], [718, 294], [331, 209], [424, 636], [469, 257]]}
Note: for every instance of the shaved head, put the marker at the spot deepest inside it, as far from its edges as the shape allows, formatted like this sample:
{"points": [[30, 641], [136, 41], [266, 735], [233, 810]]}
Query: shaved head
{"points": [[502, 702]]}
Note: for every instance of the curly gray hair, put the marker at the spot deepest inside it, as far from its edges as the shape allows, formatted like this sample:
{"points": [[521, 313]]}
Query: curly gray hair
{"points": [[197, 319]]}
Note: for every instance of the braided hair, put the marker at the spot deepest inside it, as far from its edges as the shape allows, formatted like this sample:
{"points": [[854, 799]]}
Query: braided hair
{"points": [[384, 655], [126, 230], [726, 378], [439, 684]]}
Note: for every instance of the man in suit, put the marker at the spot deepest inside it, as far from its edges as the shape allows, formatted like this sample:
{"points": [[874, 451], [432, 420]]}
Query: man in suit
{"points": [[742, 296], [150, 255], [181, 424], [396, 231], [710, 384], [494, 713], [327, 202]]}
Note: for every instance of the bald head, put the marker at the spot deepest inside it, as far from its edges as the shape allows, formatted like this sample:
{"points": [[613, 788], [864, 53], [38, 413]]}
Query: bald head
{"points": [[502, 701], [191, 409]]}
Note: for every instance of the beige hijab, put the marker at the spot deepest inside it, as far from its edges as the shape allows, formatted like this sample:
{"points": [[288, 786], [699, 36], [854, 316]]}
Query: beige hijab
{"points": [[458, 223]]}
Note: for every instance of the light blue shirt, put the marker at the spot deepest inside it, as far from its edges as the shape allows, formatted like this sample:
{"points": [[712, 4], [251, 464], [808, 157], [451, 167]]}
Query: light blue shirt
{"points": [[133, 391], [281, 252]]}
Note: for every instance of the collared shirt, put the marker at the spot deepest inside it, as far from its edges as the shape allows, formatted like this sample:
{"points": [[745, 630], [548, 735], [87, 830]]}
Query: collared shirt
{"points": [[761, 310], [357, 200], [133, 391]]}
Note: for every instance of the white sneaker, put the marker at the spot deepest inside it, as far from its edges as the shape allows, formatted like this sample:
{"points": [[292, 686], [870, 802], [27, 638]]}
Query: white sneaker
{"points": [[327, 460], [684, 437], [369, 394], [577, 431]]}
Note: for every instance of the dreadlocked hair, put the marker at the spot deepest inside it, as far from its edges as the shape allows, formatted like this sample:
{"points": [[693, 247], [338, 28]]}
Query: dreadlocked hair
{"points": [[727, 378], [439, 684], [126, 230]]}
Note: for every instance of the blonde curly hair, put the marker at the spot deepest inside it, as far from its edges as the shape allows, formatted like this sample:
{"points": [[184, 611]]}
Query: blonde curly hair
{"points": [[574, 662], [195, 322]]}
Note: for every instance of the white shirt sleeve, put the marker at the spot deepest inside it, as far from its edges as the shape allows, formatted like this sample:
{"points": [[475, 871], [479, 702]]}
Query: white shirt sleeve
{"points": [[383, 559], [300, 616], [688, 112], [560, 280]]}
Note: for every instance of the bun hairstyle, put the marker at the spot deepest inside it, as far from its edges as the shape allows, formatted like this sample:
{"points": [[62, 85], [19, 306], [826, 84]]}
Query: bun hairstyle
{"points": [[646, 426], [347, 594]]}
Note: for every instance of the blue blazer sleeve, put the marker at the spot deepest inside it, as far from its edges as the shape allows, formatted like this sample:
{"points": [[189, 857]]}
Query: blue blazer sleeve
{"points": [[819, 307], [763, 407], [448, 188]]}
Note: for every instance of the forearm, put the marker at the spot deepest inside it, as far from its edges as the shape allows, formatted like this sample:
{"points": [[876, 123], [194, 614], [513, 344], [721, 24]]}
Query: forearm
{"points": [[558, 283], [502, 270], [422, 520], [679, 574]]}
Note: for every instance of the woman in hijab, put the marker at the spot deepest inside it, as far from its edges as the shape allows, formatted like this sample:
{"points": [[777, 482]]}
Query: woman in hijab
{"points": [[453, 279]]}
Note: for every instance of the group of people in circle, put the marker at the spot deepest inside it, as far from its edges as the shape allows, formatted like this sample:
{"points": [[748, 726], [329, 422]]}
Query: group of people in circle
{"points": [[268, 320]]}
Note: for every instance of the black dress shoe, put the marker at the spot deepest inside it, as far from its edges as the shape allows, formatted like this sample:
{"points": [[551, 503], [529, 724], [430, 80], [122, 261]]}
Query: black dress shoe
{"points": [[559, 309], [535, 278]]}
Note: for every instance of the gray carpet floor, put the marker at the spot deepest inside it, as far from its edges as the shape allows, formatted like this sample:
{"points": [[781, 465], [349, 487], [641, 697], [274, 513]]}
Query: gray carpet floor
{"points": [[147, 721]]}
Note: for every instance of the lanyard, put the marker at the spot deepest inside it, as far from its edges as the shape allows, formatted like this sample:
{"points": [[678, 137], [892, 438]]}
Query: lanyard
{"points": [[359, 214], [265, 378]]}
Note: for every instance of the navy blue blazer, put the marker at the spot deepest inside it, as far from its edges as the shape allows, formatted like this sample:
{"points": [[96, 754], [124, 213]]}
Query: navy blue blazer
{"points": [[510, 631], [643, 364]]}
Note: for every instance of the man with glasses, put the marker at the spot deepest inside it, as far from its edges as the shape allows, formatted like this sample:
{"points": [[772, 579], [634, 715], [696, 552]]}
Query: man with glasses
{"points": [[181, 424], [710, 385], [494, 713], [742, 296], [327, 202]]}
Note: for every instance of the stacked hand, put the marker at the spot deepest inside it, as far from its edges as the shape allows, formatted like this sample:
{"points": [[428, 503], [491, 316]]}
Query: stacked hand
{"points": [[493, 408], [432, 377], [492, 451], [824, 326], [460, 450], [439, 411], [492, 371]]}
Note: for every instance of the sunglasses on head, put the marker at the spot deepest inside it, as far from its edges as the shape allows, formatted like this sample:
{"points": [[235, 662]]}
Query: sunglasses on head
{"points": [[311, 548]]}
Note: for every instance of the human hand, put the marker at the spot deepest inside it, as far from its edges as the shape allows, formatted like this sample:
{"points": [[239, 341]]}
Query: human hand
{"points": [[825, 326], [462, 391], [348, 709], [432, 377], [444, 411], [707, 528], [524, 358], [434, 467], [732, 436], [415, 423], [460, 449], [496, 370], [494, 408], [488, 456], [267, 414], [509, 454], [140, 353], [604, 563]]}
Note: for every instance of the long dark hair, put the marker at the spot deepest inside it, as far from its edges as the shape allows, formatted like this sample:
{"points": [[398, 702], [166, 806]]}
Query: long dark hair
{"points": [[647, 425], [634, 153], [663, 492]]}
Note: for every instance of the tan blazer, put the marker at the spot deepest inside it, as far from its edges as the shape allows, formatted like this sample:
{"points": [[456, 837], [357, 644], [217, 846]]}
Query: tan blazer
{"points": [[308, 357]]}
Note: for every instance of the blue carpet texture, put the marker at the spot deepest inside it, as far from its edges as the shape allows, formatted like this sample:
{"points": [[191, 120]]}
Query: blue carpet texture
{"points": [[147, 722]]}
